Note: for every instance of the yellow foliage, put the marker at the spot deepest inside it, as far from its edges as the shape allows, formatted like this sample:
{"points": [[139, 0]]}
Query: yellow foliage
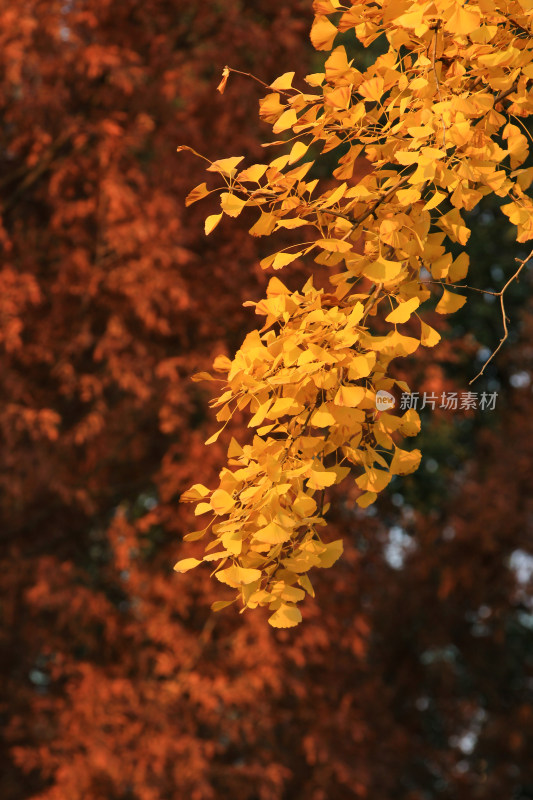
{"points": [[211, 222], [437, 119], [186, 564], [231, 204], [323, 33], [403, 311], [287, 616], [450, 302]]}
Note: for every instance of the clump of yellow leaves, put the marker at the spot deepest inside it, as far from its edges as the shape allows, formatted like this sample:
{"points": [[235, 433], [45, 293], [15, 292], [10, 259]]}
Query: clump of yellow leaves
{"points": [[439, 117]]}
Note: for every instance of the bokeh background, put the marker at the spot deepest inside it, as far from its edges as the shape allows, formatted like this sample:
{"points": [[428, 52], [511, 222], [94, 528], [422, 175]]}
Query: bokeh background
{"points": [[411, 677]]}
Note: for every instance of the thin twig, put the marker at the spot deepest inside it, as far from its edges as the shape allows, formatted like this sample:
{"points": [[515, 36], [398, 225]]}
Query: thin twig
{"points": [[382, 199], [228, 70], [372, 300], [433, 60], [502, 95], [462, 286], [500, 294]]}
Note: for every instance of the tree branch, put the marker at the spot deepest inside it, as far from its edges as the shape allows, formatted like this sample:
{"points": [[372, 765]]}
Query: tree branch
{"points": [[522, 263]]}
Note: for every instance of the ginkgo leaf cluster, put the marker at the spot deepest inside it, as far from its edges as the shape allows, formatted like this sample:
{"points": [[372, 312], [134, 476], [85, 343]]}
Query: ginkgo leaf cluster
{"points": [[439, 117]]}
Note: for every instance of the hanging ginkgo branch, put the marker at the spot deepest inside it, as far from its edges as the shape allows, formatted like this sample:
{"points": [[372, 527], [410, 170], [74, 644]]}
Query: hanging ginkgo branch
{"points": [[436, 118]]}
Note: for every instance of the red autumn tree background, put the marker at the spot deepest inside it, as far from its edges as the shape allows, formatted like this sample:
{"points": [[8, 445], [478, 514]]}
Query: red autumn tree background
{"points": [[411, 676]]}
